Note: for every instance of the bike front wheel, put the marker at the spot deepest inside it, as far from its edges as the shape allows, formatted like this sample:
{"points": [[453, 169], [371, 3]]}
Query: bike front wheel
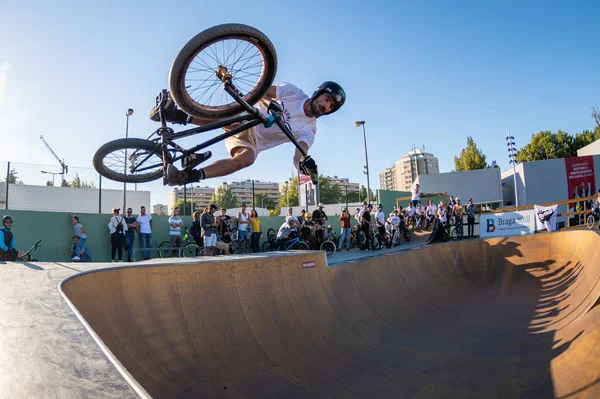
{"points": [[162, 252], [248, 56], [590, 222], [190, 250], [130, 160], [328, 247], [300, 245]]}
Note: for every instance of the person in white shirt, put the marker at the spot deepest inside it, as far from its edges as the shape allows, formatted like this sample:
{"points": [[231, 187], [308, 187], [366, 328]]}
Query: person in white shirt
{"points": [[299, 113], [416, 195], [431, 211], [395, 225], [419, 214], [175, 225], [442, 213], [243, 220], [145, 222], [380, 220], [410, 212]]}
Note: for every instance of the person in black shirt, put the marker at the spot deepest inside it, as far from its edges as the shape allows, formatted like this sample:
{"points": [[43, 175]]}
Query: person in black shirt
{"points": [[307, 228], [132, 227], [319, 218], [365, 224], [223, 229]]}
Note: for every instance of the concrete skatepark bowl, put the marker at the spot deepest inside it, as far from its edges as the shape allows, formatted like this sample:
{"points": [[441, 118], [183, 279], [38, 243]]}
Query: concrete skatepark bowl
{"points": [[496, 318]]}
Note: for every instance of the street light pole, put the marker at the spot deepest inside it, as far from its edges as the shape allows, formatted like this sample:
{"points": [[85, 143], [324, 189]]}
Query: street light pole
{"points": [[127, 114], [287, 192], [512, 156], [358, 124], [53, 175]]}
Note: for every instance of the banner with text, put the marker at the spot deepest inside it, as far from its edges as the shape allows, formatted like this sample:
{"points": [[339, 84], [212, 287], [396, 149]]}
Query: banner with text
{"points": [[545, 217], [580, 177], [507, 223], [307, 194]]}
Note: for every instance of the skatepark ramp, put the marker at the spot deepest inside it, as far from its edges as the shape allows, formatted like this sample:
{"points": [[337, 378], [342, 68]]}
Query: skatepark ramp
{"points": [[497, 318]]}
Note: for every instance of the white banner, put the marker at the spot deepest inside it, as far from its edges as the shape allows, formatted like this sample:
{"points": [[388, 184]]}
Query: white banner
{"points": [[507, 223], [545, 217]]}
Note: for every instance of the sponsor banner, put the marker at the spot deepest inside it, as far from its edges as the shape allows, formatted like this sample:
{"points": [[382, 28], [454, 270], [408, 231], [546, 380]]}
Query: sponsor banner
{"points": [[545, 217], [306, 265], [308, 192], [507, 223], [580, 178]]}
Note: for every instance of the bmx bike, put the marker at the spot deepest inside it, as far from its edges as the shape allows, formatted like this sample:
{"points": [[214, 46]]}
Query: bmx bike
{"points": [[26, 257], [218, 75]]}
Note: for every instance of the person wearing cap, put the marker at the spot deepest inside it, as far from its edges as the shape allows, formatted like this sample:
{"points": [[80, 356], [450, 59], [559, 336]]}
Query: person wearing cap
{"points": [[346, 229], [132, 226], [223, 228], [319, 218], [365, 225], [8, 251], [471, 210], [243, 221], [117, 227], [457, 210], [307, 231]]}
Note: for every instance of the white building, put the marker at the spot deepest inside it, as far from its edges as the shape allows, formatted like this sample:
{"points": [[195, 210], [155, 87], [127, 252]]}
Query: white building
{"points": [[200, 197], [407, 168]]}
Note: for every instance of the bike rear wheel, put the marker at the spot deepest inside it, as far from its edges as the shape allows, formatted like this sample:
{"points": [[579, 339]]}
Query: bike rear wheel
{"points": [[249, 57], [164, 253], [328, 247], [590, 221], [301, 245], [271, 235], [118, 157], [190, 250]]}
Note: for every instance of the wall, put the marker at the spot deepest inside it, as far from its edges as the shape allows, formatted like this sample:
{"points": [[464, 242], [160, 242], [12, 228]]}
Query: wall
{"points": [[483, 185], [590, 149]]}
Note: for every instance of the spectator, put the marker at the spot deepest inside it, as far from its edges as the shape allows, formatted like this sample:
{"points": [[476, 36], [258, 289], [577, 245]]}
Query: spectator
{"points": [[307, 231], [471, 210], [84, 254], [117, 228], [255, 237], [380, 220], [395, 226], [410, 212], [346, 229], [302, 216], [416, 195], [365, 225], [458, 218], [209, 227], [145, 228], [357, 216], [431, 213], [132, 227], [175, 225], [79, 232], [319, 219], [293, 221], [329, 234], [223, 228], [420, 215], [8, 251], [243, 219], [196, 229], [443, 213]]}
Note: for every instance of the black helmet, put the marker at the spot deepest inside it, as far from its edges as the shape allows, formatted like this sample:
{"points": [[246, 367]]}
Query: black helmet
{"points": [[338, 95], [6, 218]]}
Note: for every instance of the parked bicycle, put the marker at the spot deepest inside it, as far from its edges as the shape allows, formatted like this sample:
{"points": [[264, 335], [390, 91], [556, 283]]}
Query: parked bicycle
{"points": [[188, 247]]}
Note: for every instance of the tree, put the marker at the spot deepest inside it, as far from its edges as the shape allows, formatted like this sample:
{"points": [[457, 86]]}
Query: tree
{"points": [[584, 138], [224, 198], [470, 158], [184, 210], [548, 145], [261, 199], [363, 195], [49, 183], [293, 187], [330, 193], [79, 183], [353, 196], [13, 177]]}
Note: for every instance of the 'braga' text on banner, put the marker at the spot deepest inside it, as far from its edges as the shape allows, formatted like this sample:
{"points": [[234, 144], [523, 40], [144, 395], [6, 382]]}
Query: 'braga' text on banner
{"points": [[507, 223]]}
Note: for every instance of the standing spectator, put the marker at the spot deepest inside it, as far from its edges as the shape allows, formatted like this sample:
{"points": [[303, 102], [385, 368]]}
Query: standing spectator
{"points": [[471, 210], [457, 210], [145, 228], [132, 226], [175, 225], [416, 195], [79, 232], [365, 225], [223, 228], [243, 220], [8, 251], [443, 213], [380, 220], [117, 228], [196, 229], [84, 254], [346, 228], [319, 218], [255, 237], [307, 231], [209, 226], [431, 213], [302, 216]]}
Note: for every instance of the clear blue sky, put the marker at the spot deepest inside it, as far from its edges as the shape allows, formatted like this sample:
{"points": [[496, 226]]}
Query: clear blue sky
{"points": [[423, 73]]}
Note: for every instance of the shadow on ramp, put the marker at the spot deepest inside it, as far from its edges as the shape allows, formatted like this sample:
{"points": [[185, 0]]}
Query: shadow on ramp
{"points": [[496, 318]]}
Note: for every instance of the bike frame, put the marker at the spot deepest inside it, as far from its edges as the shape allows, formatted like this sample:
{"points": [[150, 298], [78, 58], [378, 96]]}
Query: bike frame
{"points": [[252, 118]]}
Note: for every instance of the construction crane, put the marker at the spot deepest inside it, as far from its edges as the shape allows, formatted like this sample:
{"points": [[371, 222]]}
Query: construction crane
{"points": [[65, 168]]}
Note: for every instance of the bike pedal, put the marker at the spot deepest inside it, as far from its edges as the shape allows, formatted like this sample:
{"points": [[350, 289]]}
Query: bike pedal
{"points": [[189, 162]]}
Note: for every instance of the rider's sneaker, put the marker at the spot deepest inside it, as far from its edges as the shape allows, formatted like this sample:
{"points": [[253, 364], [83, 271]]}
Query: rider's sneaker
{"points": [[75, 258], [172, 113], [176, 177]]}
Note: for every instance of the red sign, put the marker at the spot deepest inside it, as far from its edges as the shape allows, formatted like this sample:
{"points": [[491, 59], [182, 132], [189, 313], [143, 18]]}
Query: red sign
{"points": [[306, 265], [580, 177]]}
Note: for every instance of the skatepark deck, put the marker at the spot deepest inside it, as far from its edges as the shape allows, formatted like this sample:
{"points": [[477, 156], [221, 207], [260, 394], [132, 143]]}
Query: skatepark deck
{"points": [[497, 318]]}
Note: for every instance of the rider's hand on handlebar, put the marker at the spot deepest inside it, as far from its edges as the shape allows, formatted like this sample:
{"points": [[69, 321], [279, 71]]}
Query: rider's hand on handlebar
{"points": [[308, 167]]}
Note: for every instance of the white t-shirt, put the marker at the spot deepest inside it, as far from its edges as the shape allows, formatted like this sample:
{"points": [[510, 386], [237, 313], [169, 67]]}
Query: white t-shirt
{"points": [[242, 218], [432, 210], [419, 210], [144, 222], [291, 99], [395, 221], [416, 195], [442, 214], [410, 211], [175, 231], [380, 217]]}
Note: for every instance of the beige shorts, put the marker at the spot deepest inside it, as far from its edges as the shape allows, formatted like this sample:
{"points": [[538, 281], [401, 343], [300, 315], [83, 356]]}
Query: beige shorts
{"points": [[221, 245], [245, 139]]}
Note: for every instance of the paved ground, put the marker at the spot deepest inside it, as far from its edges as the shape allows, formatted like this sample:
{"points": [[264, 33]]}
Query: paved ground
{"points": [[496, 318]]}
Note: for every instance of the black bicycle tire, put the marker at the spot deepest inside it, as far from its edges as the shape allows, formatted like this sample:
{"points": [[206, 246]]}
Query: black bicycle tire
{"points": [[271, 235], [161, 245], [123, 144], [587, 221], [407, 236], [300, 245], [266, 246], [329, 244], [206, 38]]}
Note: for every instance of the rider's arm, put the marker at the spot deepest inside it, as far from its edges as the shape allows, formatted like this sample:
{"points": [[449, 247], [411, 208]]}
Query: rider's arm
{"points": [[298, 155]]}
